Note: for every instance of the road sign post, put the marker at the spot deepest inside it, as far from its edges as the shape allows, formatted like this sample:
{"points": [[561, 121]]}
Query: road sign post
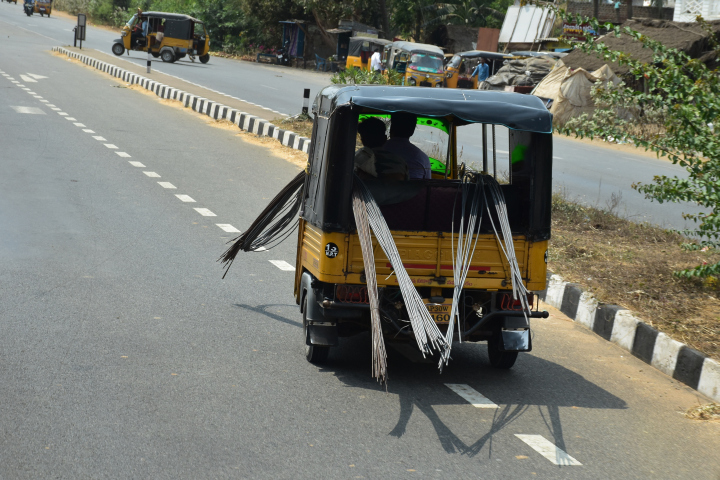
{"points": [[80, 29]]}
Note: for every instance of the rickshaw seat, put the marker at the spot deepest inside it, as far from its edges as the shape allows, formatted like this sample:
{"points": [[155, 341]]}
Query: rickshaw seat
{"points": [[431, 209]]}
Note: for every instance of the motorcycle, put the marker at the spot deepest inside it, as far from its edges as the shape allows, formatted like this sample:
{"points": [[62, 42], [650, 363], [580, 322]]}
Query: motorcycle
{"points": [[29, 8], [283, 56]]}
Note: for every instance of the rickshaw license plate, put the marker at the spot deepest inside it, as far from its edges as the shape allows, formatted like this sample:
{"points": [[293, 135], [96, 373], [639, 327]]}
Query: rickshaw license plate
{"points": [[440, 312]]}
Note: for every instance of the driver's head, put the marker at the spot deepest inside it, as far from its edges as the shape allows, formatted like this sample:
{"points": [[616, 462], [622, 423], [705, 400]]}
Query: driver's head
{"points": [[402, 124], [372, 132]]}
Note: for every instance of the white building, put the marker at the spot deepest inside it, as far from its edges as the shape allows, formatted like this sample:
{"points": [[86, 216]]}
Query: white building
{"points": [[687, 10]]}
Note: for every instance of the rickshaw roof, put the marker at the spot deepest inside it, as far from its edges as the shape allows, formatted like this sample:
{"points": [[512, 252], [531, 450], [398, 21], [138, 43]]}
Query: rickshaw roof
{"points": [[379, 41], [483, 54], [513, 110], [170, 16], [418, 47]]}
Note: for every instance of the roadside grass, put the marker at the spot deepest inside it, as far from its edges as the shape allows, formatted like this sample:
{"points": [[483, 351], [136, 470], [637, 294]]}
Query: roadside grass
{"points": [[632, 265]]}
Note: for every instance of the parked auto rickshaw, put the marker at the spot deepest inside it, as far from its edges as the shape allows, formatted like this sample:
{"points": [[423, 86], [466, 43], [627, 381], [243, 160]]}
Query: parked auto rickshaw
{"points": [[425, 219], [43, 7], [459, 70], [170, 36], [421, 64], [360, 49]]}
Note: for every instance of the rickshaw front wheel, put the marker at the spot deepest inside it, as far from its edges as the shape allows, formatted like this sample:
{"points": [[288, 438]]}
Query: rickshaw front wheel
{"points": [[205, 58], [500, 358], [313, 353], [118, 49]]}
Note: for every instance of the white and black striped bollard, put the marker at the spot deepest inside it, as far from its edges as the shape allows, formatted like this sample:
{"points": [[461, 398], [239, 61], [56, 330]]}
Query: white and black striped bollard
{"points": [[149, 61], [306, 101]]}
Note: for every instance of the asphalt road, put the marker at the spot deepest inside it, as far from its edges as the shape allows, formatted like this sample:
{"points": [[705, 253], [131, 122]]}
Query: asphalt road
{"points": [[596, 176], [124, 355]]}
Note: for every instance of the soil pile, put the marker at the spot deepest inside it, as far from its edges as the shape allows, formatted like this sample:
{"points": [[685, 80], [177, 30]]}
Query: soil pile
{"points": [[688, 37]]}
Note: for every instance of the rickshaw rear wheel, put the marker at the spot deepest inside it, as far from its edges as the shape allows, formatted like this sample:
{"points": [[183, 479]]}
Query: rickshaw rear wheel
{"points": [[205, 58], [118, 49], [313, 353], [167, 56], [500, 358]]}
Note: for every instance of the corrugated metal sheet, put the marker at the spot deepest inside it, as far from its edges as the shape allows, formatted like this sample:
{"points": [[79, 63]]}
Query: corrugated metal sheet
{"points": [[526, 24]]}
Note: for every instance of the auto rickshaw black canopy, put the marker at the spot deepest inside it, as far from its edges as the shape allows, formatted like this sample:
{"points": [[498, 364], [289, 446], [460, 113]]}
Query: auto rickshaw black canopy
{"points": [[337, 108], [170, 16], [356, 44], [515, 111]]}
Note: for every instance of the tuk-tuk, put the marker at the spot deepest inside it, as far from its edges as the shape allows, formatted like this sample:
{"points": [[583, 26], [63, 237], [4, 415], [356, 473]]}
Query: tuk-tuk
{"points": [[459, 70], [170, 36], [421, 64], [342, 281], [43, 7], [360, 49]]}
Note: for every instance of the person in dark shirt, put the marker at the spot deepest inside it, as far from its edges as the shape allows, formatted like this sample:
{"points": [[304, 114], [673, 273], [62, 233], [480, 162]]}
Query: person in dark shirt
{"points": [[402, 127], [373, 161]]}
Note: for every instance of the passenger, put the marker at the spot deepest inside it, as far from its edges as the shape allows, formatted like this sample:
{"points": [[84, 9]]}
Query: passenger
{"points": [[402, 127], [372, 161]]}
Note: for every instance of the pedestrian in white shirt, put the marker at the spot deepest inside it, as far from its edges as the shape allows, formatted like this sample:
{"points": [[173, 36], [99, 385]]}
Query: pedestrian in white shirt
{"points": [[375, 62]]}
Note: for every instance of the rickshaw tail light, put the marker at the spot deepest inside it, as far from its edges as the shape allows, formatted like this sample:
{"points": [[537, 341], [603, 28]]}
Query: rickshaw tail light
{"points": [[507, 302], [351, 294]]}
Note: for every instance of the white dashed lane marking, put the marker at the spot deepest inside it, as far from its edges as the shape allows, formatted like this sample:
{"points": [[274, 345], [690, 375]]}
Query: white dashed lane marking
{"points": [[55, 108], [228, 228], [45, 101], [87, 130], [152, 174], [475, 398], [30, 110], [185, 198], [72, 119], [62, 113], [205, 212], [110, 145], [283, 265], [99, 138], [123, 154], [81, 125], [50, 105], [166, 185], [136, 164], [548, 450]]}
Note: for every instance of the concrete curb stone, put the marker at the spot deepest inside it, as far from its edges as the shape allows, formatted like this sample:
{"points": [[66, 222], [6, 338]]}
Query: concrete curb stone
{"points": [[217, 111], [618, 325]]}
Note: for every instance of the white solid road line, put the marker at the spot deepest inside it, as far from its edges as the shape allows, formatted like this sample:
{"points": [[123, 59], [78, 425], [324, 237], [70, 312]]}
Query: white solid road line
{"points": [[185, 198], [136, 164], [475, 398], [123, 154], [205, 212], [548, 450], [228, 228], [152, 174], [283, 265], [166, 185]]}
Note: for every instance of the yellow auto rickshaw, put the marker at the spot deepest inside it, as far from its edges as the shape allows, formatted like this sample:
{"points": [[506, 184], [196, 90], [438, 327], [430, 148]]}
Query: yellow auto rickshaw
{"points": [[361, 49], [455, 257], [170, 36], [458, 71], [420, 64], [43, 7]]}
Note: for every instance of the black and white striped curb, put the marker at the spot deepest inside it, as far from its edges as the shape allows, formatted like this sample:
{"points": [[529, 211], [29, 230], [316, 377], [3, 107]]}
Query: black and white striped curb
{"points": [[619, 326], [217, 111]]}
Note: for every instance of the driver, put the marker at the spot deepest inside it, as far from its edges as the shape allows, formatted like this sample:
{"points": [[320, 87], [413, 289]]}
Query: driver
{"points": [[402, 127]]}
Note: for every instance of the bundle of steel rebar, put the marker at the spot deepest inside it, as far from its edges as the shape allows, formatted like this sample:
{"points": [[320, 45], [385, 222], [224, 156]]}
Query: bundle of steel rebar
{"points": [[379, 355], [427, 334], [506, 243], [276, 222], [471, 191]]}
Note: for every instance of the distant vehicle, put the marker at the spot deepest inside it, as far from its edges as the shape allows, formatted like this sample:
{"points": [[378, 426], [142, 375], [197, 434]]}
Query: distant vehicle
{"points": [[43, 7], [14, 1], [170, 36], [361, 49], [420, 64], [457, 71], [29, 7]]}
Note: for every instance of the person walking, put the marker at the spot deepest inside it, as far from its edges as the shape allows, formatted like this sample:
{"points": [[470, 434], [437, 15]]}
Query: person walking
{"points": [[482, 70]]}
